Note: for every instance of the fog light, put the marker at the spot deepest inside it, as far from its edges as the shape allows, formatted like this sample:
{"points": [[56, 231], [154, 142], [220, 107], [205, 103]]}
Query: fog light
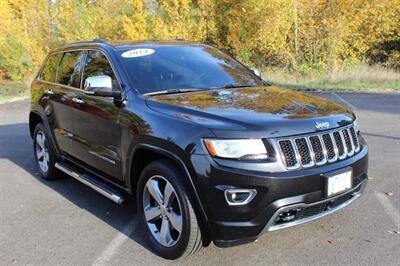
{"points": [[287, 216], [239, 196]]}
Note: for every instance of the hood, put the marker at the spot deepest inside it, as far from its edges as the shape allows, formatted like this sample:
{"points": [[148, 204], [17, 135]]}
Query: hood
{"points": [[270, 111]]}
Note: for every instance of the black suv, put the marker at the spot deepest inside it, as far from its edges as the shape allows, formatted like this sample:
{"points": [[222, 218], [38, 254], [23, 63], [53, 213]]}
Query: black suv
{"points": [[210, 151]]}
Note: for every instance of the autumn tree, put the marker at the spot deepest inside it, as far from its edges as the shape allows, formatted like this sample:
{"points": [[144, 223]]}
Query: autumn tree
{"points": [[298, 35]]}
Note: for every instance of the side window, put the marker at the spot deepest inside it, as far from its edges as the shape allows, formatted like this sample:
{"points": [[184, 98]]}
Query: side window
{"points": [[98, 65], [69, 72], [50, 69]]}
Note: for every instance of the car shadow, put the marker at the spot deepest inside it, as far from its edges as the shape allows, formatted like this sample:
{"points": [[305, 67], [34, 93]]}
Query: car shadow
{"points": [[16, 146]]}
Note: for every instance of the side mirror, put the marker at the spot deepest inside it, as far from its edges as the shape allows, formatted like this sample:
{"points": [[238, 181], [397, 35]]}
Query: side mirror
{"points": [[100, 86], [255, 71]]}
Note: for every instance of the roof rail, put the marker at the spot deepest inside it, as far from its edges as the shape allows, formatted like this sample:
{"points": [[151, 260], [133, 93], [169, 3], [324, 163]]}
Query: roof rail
{"points": [[90, 41], [99, 40]]}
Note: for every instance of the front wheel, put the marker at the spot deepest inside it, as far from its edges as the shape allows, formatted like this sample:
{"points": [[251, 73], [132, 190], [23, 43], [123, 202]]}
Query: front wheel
{"points": [[164, 207]]}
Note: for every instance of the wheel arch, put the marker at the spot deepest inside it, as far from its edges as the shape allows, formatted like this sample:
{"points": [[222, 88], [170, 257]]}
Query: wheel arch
{"points": [[143, 154], [36, 117]]}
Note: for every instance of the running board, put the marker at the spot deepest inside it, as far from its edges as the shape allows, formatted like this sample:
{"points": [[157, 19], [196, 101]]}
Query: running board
{"points": [[101, 187]]}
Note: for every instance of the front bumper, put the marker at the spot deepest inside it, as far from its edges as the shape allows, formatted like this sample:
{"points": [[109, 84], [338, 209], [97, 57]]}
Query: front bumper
{"points": [[310, 212], [302, 190]]}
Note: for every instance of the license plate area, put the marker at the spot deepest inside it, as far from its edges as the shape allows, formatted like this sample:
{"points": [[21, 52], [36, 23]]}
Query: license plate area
{"points": [[338, 182]]}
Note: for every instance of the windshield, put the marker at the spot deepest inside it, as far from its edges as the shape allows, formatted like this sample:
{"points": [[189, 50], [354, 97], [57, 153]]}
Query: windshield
{"points": [[164, 67]]}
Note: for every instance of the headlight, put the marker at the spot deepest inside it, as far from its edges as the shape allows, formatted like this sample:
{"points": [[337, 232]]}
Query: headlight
{"points": [[243, 149]]}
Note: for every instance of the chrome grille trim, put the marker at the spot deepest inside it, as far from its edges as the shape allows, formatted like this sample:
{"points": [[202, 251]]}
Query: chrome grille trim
{"points": [[334, 158], [296, 153], [309, 164], [284, 156], [324, 152], [335, 147], [344, 144], [311, 150], [351, 141], [354, 137], [317, 148]]}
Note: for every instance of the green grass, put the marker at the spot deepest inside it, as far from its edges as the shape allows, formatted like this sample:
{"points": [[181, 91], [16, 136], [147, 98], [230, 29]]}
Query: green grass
{"points": [[356, 78], [12, 91]]}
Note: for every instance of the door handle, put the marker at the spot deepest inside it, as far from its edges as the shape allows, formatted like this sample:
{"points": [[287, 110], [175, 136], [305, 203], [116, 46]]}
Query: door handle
{"points": [[76, 100]]}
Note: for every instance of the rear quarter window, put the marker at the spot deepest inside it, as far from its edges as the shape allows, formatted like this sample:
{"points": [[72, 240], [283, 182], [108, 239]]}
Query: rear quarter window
{"points": [[50, 69]]}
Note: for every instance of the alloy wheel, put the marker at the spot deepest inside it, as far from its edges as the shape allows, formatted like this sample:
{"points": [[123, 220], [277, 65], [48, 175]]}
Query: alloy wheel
{"points": [[42, 152], [162, 211]]}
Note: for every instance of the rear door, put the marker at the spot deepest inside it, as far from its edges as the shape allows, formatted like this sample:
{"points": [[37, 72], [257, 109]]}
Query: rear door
{"points": [[62, 81], [97, 131]]}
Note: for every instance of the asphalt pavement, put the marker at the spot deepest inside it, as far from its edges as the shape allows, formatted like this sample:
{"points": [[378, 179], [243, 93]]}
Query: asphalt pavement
{"points": [[63, 222]]}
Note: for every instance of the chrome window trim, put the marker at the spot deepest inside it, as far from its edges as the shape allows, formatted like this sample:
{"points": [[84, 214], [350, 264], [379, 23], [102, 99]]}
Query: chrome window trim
{"points": [[39, 77]]}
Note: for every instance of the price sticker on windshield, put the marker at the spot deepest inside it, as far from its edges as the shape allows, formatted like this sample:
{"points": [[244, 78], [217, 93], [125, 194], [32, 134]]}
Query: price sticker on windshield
{"points": [[138, 53]]}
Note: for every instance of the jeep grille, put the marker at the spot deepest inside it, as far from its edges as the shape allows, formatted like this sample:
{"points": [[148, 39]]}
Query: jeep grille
{"points": [[318, 149]]}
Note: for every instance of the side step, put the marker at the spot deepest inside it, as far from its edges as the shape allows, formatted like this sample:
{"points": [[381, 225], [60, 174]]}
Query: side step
{"points": [[99, 186]]}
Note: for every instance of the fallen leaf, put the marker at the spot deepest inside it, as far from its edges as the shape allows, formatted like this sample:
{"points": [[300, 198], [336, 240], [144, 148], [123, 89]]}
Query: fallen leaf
{"points": [[332, 242], [391, 193]]}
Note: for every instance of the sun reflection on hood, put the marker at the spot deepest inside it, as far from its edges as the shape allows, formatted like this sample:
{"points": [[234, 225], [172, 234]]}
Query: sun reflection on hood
{"points": [[273, 100]]}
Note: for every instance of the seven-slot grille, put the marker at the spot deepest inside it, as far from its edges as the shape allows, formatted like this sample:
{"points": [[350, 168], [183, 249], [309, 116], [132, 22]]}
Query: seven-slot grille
{"points": [[319, 149]]}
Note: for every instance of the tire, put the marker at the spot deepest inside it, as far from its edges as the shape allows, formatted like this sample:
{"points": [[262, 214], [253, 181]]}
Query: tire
{"points": [[165, 175], [46, 160]]}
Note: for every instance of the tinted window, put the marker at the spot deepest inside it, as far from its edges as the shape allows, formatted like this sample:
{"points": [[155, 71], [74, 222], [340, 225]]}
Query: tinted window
{"points": [[184, 66], [70, 69], [50, 69], [98, 65]]}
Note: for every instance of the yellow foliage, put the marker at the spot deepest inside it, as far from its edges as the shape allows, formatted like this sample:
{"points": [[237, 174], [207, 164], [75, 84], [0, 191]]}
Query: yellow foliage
{"points": [[296, 34], [134, 26]]}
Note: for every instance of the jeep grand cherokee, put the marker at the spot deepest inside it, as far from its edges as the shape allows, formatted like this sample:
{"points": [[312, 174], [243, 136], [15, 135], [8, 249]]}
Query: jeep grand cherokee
{"points": [[209, 150]]}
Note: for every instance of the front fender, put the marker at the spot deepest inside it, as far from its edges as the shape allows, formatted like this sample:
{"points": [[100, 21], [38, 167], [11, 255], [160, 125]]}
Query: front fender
{"points": [[184, 167]]}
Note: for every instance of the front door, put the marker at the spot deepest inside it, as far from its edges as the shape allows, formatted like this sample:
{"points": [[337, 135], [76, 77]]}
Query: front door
{"points": [[97, 131]]}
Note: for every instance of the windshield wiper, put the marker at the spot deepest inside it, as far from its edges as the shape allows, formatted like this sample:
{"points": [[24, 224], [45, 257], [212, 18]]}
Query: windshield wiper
{"points": [[170, 91], [182, 90], [231, 86]]}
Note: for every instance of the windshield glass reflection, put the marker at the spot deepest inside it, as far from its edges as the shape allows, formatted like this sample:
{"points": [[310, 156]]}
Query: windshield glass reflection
{"points": [[185, 66]]}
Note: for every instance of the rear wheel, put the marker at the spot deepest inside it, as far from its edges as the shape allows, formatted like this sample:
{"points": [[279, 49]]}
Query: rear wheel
{"points": [[164, 207], [44, 153]]}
